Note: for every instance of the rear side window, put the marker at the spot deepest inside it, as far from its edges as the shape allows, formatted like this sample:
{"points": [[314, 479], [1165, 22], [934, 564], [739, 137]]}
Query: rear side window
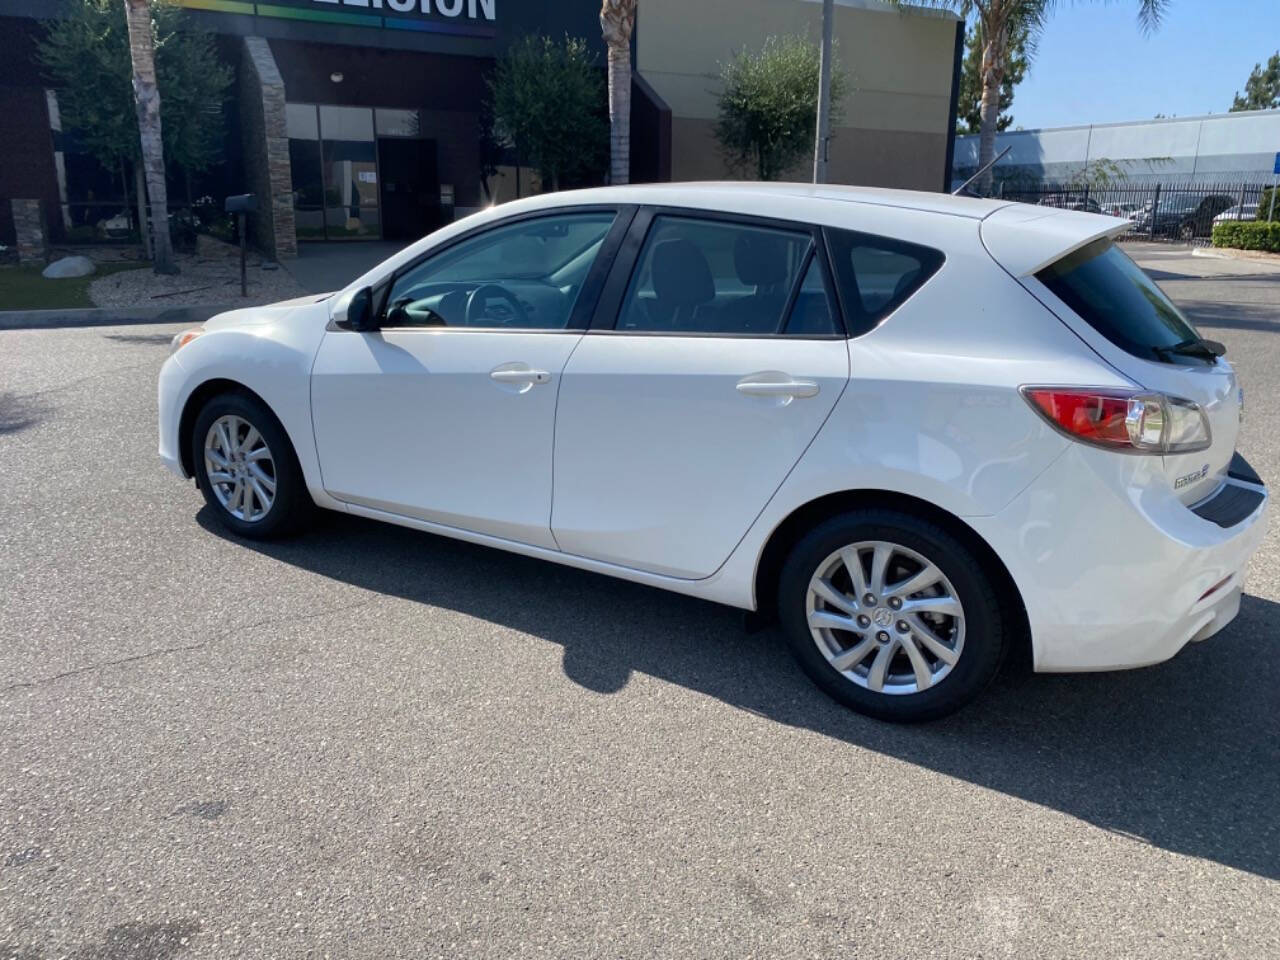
{"points": [[1116, 297], [811, 314], [719, 277], [877, 275]]}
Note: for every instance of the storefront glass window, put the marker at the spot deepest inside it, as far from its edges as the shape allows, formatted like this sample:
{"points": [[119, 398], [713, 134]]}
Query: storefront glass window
{"points": [[350, 167], [338, 157], [398, 123], [302, 123]]}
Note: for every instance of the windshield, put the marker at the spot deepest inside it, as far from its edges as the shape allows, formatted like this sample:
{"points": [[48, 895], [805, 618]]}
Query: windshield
{"points": [[1117, 298]]}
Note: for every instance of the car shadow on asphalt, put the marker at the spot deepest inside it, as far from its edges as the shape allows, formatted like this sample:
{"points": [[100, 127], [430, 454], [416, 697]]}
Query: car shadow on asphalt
{"points": [[1184, 756], [1207, 314]]}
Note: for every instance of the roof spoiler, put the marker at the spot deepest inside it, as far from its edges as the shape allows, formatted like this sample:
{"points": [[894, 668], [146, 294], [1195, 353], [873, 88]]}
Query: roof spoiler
{"points": [[1025, 239]]}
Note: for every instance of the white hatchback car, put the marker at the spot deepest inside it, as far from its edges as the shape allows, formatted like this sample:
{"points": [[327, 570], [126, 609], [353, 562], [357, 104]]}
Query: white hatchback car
{"points": [[919, 428]]}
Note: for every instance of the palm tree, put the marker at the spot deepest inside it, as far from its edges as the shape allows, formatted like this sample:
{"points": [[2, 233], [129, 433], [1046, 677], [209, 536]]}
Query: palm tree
{"points": [[999, 21], [617, 20], [146, 97]]}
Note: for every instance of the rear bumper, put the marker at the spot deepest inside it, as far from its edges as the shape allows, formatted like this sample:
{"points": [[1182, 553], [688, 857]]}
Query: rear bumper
{"points": [[1114, 570]]}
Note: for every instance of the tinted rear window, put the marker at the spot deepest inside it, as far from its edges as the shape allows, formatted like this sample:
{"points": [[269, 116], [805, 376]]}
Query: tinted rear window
{"points": [[1117, 298]]}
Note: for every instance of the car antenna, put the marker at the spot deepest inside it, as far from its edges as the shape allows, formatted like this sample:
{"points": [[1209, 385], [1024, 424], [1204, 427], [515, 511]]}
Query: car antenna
{"points": [[981, 170]]}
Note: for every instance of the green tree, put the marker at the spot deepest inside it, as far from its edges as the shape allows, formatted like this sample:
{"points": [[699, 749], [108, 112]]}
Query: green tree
{"points": [[1002, 21], [86, 56], [195, 83], [969, 105], [769, 105], [1262, 89], [546, 102], [1102, 172]]}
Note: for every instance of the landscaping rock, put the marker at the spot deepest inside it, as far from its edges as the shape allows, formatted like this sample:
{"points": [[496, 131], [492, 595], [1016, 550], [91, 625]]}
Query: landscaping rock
{"points": [[69, 267]]}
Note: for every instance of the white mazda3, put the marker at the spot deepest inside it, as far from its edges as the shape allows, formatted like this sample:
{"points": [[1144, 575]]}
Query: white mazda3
{"points": [[918, 429]]}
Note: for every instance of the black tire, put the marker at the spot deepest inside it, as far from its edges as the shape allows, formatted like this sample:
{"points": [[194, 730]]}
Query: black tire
{"points": [[985, 629], [291, 506]]}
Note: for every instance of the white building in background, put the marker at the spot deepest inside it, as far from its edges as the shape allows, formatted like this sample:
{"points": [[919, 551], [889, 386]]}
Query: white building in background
{"points": [[1220, 147]]}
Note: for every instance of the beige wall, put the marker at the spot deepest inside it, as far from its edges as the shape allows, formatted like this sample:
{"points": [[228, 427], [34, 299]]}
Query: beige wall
{"points": [[900, 64]]}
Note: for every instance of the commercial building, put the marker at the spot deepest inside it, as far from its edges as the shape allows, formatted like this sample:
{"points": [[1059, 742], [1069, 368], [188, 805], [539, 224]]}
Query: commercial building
{"points": [[898, 122], [1224, 148], [356, 119]]}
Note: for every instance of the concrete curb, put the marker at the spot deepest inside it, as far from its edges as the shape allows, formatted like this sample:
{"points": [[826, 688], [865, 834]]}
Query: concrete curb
{"points": [[107, 317], [1229, 253]]}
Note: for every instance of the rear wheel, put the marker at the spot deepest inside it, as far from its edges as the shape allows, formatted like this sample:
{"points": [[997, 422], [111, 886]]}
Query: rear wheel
{"points": [[246, 468], [891, 615]]}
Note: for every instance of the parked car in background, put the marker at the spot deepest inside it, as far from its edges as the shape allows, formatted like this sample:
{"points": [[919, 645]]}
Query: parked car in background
{"points": [[917, 429], [1239, 211], [1185, 217], [1127, 211], [1066, 201]]}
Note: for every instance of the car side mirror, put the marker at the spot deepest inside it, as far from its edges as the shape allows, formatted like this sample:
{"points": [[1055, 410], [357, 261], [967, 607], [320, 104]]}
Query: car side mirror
{"points": [[354, 311]]}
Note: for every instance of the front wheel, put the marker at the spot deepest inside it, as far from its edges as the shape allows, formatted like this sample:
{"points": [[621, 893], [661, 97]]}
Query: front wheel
{"points": [[246, 468], [891, 615]]}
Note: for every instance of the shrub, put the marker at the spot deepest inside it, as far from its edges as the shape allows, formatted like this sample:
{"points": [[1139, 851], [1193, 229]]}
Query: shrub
{"points": [[769, 105], [1248, 235], [1264, 205]]}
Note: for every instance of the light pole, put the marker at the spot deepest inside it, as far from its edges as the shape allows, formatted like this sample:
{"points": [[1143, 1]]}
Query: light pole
{"points": [[823, 135]]}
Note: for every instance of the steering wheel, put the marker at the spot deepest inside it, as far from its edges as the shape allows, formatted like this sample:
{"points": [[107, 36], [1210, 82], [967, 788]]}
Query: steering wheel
{"points": [[479, 299]]}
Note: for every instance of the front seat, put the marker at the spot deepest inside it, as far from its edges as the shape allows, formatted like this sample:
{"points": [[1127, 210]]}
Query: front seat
{"points": [[682, 285], [760, 261]]}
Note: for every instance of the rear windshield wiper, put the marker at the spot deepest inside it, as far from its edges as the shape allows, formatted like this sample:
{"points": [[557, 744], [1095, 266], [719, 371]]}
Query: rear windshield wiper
{"points": [[1195, 347]]}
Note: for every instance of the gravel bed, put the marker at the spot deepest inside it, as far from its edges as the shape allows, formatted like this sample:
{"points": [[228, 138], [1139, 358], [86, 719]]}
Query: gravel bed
{"points": [[211, 275]]}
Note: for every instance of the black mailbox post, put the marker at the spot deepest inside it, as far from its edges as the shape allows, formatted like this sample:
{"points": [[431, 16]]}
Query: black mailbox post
{"points": [[240, 205]]}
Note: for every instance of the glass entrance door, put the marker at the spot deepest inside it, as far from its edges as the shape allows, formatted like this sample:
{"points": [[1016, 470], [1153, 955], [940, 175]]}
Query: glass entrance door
{"points": [[350, 159], [334, 163], [360, 173]]}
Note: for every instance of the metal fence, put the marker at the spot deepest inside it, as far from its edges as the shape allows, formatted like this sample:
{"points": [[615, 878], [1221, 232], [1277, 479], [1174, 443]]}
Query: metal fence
{"points": [[1184, 212]]}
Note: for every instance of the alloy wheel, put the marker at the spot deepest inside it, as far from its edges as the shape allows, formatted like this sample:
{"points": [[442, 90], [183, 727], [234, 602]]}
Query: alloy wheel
{"points": [[240, 467], [885, 617]]}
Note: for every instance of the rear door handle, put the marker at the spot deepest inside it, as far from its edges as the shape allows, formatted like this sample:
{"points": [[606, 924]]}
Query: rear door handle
{"points": [[519, 375], [778, 388]]}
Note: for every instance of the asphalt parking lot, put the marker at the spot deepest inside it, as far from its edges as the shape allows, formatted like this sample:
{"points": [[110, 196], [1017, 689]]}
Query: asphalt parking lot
{"points": [[371, 742]]}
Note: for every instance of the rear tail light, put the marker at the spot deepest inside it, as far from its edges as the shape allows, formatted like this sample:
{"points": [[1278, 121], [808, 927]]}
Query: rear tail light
{"points": [[1127, 421]]}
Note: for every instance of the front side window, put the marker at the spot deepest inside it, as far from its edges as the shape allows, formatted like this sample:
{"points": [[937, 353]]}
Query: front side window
{"points": [[708, 276], [1116, 297], [525, 275]]}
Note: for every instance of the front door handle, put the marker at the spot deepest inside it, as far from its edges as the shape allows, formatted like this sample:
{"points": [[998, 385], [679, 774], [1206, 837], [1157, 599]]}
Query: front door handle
{"points": [[519, 375], [779, 387]]}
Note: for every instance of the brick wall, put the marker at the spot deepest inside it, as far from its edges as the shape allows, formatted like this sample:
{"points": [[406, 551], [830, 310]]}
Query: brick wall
{"points": [[266, 150], [26, 169], [29, 230], [26, 163]]}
